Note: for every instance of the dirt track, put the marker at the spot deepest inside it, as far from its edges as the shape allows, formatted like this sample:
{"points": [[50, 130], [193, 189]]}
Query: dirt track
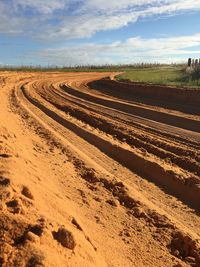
{"points": [[116, 163]]}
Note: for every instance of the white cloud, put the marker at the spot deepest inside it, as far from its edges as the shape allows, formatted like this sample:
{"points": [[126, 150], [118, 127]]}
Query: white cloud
{"points": [[9, 24], [55, 20], [171, 7], [84, 27], [40, 6], [157, 6], [133, 50], [102, 15]]}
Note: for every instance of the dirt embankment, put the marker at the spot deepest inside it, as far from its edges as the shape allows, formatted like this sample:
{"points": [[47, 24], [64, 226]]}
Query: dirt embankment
{"points": [[82, 174], [183, 98], [182, 95]]}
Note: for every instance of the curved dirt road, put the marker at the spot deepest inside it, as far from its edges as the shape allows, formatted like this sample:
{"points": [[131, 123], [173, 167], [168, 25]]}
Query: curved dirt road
{"points": [[122, 174]]}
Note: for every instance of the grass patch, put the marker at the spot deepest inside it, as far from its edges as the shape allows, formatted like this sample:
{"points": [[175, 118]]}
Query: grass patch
{"points": [[168, 75]]}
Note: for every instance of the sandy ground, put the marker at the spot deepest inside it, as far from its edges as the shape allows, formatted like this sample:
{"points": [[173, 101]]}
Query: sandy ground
{"points": [[96, 172]]}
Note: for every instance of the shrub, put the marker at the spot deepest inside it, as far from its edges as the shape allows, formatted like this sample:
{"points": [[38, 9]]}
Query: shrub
{"points": [[194, 72]]}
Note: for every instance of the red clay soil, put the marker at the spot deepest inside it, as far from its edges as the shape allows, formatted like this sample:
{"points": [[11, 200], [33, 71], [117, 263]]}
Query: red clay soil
{"points": [[98, 172]]}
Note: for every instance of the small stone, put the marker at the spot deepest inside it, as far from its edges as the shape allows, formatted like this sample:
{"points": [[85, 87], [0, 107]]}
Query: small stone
{"points": [[190, 259], [112, 202], [14, 206], [32, 237], [138, 212], [176, 253], [27, 193], [66, 238]]}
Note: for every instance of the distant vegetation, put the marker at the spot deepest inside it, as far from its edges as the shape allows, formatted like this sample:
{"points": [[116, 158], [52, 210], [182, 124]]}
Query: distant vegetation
{"points": [[173, 74], [193, 71], [179, 75], [90, 68]]}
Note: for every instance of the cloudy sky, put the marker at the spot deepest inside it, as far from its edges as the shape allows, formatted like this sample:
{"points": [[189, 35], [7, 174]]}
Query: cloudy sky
{"points": [[82, 32]]}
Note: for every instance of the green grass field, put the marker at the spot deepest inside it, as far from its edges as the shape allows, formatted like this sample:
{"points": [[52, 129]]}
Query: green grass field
{"points": [[151, 73], [170, 75]]}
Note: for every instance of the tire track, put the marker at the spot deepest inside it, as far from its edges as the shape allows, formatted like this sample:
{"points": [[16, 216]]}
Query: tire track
{"points": [[176, 154], [184, 184]]}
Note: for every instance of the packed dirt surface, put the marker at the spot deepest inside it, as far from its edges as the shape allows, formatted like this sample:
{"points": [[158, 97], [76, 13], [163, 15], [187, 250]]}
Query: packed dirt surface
{"points": [[98, 172]]}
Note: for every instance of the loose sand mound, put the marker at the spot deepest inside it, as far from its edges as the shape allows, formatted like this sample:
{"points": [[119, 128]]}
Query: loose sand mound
{"points": [[97, 173]]}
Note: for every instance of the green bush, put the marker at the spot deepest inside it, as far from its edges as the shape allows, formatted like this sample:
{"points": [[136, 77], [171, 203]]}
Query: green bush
{"points": [[195, 74]]}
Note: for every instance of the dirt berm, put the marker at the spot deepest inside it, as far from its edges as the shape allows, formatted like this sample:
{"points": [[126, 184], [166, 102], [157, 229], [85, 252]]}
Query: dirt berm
{"points": [[167, 94]]}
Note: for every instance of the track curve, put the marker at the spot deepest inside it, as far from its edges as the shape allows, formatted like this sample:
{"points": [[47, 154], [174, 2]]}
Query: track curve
{"points": [[143, 143]]}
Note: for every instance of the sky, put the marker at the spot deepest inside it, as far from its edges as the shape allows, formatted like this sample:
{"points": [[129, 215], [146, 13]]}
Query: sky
{"points": [[98, 32]]}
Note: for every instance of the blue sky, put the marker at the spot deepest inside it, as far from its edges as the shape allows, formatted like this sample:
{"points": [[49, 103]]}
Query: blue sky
{"points": [[82, 32]]}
